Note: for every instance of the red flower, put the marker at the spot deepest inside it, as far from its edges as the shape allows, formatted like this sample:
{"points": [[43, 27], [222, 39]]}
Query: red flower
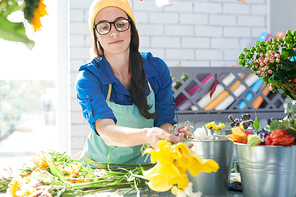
{"points": [[280, 137]]}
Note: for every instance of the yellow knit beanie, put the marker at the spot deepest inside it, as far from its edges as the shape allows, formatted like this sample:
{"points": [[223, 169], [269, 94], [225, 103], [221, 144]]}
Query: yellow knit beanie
{"points": [[98, 5]]}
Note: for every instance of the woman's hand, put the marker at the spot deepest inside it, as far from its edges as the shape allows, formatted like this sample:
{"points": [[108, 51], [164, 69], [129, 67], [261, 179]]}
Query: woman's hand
{"points": [[155, 134]]}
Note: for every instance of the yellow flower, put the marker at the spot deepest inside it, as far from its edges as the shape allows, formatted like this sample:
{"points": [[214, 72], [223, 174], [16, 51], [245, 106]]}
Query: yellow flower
{"points": [[210, 125], [88, 176], [72, 169], [192, 162], [220, 126], [38, 13], [14, 186], [26, 190], [160, 175], [164, 154], [40, 161], [238, 134], [172, 166]]}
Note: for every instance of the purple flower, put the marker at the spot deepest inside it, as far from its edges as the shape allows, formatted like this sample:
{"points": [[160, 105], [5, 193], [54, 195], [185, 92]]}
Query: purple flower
{"points": [[232, 124], [230, 117], [245, 116], [262, 134]]}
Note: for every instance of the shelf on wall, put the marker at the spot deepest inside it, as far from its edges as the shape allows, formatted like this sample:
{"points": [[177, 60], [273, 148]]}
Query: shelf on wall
{"points": [[194, 103]]}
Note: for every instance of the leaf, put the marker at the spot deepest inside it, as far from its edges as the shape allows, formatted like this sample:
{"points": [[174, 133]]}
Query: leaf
{"points": [[15, 32], [280, 74], [89, 170], [274, 124], [276, 82], [286, 65], [56, 171], [256, 124], [287, 52]]}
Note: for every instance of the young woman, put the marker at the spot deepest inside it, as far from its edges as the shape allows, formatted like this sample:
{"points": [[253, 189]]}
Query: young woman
{"points": [[126, 96]]}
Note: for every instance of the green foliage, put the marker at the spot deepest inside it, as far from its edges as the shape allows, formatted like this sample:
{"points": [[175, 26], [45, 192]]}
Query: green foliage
{"points": [[289, 122], [274, 62], [13, 31]]}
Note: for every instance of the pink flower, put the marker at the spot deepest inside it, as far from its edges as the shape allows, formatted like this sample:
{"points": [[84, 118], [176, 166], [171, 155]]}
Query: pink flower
{"points": [[267, 54], [261, 64], [262, 74], [269, 71], [266, 60], [258, 72], [277, 60], [277, 55], [266, 67], [256, 65], [271, 60], [261, 54], [271, 51]]}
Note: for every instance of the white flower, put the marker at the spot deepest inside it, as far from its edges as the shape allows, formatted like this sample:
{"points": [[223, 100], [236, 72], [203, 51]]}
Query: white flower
{"points": [[188, 192], [200, 133]]}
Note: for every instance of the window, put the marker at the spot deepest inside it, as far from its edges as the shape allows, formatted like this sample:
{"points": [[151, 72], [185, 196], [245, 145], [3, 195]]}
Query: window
{"points": [[29, 87]]}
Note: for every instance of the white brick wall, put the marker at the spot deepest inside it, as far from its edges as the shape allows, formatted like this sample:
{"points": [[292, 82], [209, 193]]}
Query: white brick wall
{"points": [[195, 33]]}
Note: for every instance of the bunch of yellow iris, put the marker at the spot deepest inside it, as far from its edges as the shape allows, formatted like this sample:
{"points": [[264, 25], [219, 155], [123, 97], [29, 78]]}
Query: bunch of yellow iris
{"points": [[173, 161], [212, 125]]}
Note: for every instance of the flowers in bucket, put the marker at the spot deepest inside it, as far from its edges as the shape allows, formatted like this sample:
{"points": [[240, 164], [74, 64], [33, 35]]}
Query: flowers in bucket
{"points": [[32, 11], [275, 62], [260, 137], [173, 162], [202, 134]]}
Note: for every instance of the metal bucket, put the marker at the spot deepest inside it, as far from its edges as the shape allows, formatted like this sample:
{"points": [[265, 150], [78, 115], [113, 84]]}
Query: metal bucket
{"points": [[213, 184], [267, 170]]}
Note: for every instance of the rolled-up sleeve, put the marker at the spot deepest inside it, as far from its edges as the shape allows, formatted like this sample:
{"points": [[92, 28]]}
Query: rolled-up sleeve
{"points": [[91, 97]]}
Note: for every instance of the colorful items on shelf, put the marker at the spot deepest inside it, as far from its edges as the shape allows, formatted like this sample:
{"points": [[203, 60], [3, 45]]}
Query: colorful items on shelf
{"points": [[223, 98]]}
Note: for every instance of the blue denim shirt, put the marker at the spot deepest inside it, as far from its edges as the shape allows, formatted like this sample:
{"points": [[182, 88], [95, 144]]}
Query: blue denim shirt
{"points": [[92, 84]]}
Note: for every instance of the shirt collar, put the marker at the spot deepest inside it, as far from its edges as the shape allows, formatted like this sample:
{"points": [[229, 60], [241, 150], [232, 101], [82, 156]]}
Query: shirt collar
{"points": [[108, 77]]}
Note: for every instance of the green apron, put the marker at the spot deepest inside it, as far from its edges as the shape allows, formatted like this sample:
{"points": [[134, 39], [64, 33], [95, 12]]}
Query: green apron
{"points": [[95, 148]]}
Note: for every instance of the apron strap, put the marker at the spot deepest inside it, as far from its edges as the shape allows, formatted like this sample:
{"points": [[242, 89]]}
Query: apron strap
{"points": [[109, 92], [149, 87], [110, 88], [96, 165]]}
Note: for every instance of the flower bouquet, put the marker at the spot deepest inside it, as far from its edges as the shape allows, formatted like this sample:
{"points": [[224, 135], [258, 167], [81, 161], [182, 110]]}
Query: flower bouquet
{"points": [[265, 157], [57, 174]]}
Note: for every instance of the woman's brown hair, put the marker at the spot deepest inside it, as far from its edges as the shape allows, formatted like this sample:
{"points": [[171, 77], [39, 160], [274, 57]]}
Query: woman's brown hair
{"points": [[138, 76]]}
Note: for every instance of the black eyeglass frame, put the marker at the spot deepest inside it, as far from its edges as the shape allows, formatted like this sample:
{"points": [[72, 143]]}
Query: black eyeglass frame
{"points": [[125, 19]]}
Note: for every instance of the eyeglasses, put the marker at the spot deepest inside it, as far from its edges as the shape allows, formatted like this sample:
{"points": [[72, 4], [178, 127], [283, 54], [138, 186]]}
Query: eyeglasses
{"points": [[120, 25]]}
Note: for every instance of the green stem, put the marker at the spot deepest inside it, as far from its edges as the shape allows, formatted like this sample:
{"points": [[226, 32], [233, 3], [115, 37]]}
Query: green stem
{"points": [[291, 92]]}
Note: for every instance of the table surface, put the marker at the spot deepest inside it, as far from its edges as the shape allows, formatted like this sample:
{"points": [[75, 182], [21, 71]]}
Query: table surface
{"points": [[146, 193]]}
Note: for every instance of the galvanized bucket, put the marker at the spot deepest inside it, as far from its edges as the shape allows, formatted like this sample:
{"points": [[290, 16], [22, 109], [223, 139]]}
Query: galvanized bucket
{"points": [[267, 170], [221, 150]]}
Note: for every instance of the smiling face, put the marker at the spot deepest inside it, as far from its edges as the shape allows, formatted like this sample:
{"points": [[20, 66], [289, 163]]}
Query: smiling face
{"points": [[114, 42]]}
